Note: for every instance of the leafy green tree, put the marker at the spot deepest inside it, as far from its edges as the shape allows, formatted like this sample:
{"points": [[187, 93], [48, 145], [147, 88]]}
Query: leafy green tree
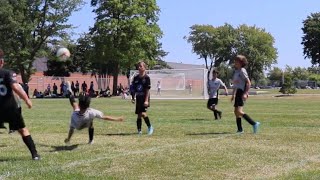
{"points": [[57, 67], [28, 28], [311, 38], [300, 73], [221, 44], [126, 32], [225, 73], [201, 37], [288, 85], [215, 43], [258, 46], [315, 78], [314, 70], [275, 76]]}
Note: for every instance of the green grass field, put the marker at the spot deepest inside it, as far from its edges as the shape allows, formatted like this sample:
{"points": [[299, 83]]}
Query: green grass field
{"points": [[187, 143]]}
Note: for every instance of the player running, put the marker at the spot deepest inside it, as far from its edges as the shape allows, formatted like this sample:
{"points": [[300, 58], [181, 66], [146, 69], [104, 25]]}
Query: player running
{"points": [[9, 109], [213, 88], [241, 86]]}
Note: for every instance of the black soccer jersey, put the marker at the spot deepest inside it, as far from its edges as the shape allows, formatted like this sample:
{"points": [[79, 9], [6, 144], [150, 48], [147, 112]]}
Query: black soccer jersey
{"points": [[7, 78], [141, 84]]}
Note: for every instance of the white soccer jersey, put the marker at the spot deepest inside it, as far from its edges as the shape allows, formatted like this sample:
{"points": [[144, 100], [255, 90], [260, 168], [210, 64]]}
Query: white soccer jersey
{"points": [[239, 78], [80, 121], [214, 86]]}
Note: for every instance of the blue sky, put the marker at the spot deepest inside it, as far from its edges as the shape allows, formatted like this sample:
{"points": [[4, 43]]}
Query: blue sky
{"points": [[282, 18]]}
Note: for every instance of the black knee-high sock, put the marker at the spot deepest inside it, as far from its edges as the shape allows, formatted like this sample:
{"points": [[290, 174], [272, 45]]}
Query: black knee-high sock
{"points": [[250, 121], [139, 124], [239, 124], [147, 121], [215, 113], [30, 144], [91, 132]]}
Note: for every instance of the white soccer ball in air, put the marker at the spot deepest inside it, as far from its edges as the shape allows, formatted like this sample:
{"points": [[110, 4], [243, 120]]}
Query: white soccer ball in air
{"points": [[63, 54]]}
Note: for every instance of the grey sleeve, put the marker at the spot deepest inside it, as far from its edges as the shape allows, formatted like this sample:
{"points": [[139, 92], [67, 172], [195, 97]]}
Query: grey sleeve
{"points": [[244, 74]]}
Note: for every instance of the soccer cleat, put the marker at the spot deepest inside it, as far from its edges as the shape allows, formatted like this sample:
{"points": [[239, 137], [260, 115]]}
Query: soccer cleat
{"points": [[150, 130], [91, 142], [256, 127], [240, 132], [219, 114], [139, 133], [11, 131], [36, 157]]}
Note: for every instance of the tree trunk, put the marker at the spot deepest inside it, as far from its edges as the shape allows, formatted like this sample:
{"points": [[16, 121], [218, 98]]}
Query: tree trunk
{"points": [[23, 74], [115, 79], [205, 59]]}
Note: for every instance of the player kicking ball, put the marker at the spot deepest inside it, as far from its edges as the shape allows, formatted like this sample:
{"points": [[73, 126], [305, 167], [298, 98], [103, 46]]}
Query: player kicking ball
{"points": [[82, 117], [213, 87]]}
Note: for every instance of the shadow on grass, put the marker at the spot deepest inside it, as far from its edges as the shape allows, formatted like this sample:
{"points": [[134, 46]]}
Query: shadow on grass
{"points": [[119, 134], [212, 133], [5, 159], [197, 119], [284, 95], [61, 148]]}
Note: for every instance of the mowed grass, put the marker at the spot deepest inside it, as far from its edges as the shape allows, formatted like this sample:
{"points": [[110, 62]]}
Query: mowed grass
{"points": [[187, 143]]}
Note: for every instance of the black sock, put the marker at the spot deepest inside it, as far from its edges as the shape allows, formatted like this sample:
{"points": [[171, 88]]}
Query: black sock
{"points": [[30, 144], [250, 121], [239, 124], [215, 114], [139, 124], [147, 121], [91, 132]]}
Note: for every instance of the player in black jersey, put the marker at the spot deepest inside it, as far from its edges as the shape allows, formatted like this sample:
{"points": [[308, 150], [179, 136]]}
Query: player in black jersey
{"points": [[140, 87], [9, 108]]}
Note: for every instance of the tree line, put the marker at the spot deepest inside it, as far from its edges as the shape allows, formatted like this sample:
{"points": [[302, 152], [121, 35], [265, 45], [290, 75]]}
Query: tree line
{"points": [[126, 32]]}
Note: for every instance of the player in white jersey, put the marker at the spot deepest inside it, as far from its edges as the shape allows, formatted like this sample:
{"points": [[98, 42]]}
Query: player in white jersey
{"points": [[213, 90], [241, 86], [82, 116]]}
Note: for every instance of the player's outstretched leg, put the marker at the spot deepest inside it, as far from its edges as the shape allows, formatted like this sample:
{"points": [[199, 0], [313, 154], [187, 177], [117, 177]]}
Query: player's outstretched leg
{"points": [[239, 125], [219, 113], [147, 121], [27, 139], [255, 125], [215, 113], [139, 124], [91, 132]]}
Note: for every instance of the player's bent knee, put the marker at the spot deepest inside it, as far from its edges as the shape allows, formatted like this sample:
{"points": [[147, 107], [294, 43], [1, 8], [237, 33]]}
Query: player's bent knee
{"points": [[144, 115], [24, 132]]}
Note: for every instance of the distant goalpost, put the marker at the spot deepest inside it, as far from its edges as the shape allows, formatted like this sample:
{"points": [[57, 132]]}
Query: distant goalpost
{"points": [[177, 83]]}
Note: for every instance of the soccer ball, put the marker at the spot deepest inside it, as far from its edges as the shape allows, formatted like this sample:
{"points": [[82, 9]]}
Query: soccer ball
{"points": [[63, 54]]}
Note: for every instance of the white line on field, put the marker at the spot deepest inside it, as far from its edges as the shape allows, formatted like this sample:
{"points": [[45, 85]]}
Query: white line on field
{"points": [[10, 174], [154, 149], [19, 172]]}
